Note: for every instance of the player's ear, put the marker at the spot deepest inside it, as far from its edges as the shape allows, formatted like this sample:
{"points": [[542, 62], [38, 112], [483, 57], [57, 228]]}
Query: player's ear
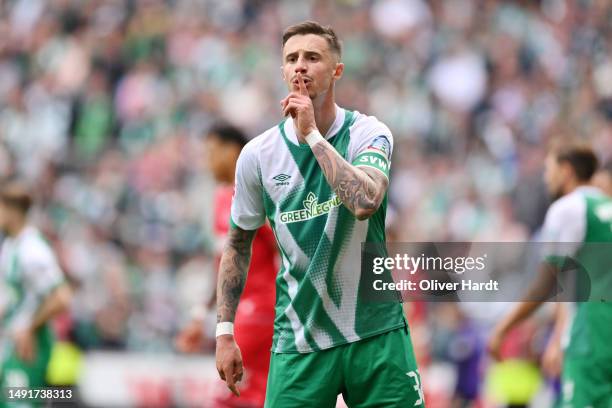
{"points": [[338, 70], [566, 170], [282, 73]]}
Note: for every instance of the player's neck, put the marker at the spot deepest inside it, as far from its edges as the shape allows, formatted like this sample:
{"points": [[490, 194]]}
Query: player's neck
{"points": [[15, 228], [573, 185], [227, 176], [325, 112], [231, 173]]}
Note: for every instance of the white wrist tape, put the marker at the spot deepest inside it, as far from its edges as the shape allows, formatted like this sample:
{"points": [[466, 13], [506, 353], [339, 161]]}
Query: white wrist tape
{"points": [[313, 138], [224, 328]]}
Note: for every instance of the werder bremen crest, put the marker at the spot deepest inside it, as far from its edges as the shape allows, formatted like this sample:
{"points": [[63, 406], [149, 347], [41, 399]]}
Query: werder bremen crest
{"points": [[312, 208]]}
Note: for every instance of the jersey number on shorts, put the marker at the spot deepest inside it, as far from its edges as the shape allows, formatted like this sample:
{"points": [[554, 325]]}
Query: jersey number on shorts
{"points": [[417, 386]]}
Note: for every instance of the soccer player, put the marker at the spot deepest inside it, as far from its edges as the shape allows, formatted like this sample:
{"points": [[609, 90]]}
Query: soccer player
{"points": [[37, 292], [320, 177], [255, 316], [552, 358], [579, 221]]}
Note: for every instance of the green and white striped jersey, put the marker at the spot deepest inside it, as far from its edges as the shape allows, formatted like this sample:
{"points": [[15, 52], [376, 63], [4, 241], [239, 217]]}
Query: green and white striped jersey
{"points": [[29, 271], [582, 222], [318, 302]]}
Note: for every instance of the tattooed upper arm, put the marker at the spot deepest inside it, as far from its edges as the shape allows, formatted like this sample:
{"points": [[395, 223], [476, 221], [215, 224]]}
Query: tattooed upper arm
{"points": [[378, 186], [360, 189], [380, 180], [233, 272]]}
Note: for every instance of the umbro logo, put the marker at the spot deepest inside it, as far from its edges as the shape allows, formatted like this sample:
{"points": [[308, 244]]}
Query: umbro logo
{"points": [[282, 179]]}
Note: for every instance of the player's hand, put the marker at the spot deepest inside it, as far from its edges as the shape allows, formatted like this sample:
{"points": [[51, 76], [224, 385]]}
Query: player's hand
{"points": [[299, 106], [191, 338], [552, 359], [24, 345], [494, 345], [229, 362]]}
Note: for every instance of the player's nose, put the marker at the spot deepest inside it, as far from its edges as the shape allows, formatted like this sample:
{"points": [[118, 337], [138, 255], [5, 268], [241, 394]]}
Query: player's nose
{"points": [[300, 65]]}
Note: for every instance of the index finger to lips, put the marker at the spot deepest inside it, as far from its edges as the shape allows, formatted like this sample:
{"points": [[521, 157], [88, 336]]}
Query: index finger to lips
{"points": [[301, 84]]}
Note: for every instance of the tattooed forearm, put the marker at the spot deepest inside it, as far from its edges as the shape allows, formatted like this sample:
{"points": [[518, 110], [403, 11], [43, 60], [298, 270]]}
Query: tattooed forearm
{"points": [[361, 190], [233, 272]]}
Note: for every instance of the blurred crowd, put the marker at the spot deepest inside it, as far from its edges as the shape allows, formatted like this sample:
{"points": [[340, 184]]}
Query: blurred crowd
{"points": [[104, 103]]}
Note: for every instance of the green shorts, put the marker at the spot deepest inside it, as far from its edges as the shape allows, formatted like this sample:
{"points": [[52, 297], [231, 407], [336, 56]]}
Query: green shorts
{"points": [[15, 372], [586, 383], [587, 363], [379, 371]]}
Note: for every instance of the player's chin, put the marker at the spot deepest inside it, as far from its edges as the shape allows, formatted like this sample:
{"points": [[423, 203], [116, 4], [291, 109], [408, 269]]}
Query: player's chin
{"points": [[313, 92]]}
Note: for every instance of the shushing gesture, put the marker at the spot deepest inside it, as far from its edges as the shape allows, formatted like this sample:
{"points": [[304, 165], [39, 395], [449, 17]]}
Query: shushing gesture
{"points": [[299, 105]]}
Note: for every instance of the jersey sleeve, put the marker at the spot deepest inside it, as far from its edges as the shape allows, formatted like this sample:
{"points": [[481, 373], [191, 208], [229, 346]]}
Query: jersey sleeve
{"points": [[371, 145], [41, 275], [41, 270], [247, 204], [564, 227]]}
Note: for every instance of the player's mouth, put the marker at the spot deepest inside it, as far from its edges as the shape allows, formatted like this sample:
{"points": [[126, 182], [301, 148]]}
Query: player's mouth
{"points": [[306, 81]]}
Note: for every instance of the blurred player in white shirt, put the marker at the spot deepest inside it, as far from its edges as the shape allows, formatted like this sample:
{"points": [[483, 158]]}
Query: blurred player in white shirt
{"points": [[34, 291]]}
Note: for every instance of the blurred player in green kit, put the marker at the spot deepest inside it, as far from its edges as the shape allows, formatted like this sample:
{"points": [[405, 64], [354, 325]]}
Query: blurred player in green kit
{"points": [[33, 291], [578, 225]]}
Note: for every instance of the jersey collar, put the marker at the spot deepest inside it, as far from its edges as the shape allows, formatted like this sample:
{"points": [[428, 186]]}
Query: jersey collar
{"points": [[24, 231], [588, 190]]}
